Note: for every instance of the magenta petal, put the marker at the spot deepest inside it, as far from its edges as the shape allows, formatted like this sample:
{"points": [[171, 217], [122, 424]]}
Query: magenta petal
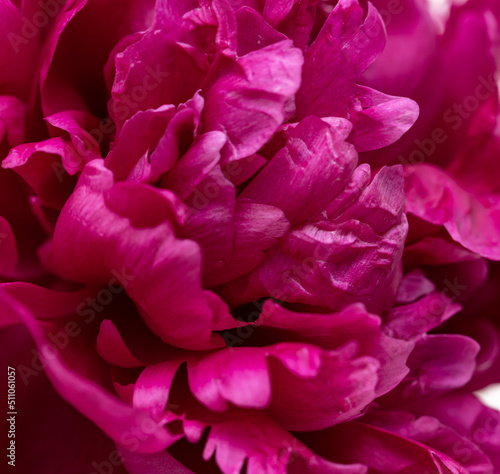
{"points": [[331, 331], [439, 363], [152, 389], [247, 102], [354, 256], [155, 463], [12, 120], [257, 227], [48, 305], [193, 167], [155, 68], [180, 132], [71, 72], [413, 286], [431, 432], [111, 347], [211, 222], [240, 435], [351, 43], [395, 454], [8, 248], [138, 136], [118, 242], [344, 385], [410, 321], [119, 421], [18, 56], [301, 386], [381, 119], [264, 443], [316, 162], [253, 31], [46, 166], [473, 221], [77, 125], [465, 414], [81, 444]]}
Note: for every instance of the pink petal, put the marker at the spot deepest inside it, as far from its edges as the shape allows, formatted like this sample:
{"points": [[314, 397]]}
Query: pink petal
{"points": [[247, 102], [12, 120], [436, 197], [82, 444], [316, 163], [439, 363], [8, 248], [394, 454], [465, 414], [430, 432], [156, 463], [76, 126], [331, 331], [46, 166], [352, 42], [138, 136], [119, 421], [71, 73], [115, 238], [346, 258]]}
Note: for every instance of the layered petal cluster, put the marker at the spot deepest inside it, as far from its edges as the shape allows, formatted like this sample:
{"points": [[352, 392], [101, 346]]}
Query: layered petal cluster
{"points": [[209, 245]]}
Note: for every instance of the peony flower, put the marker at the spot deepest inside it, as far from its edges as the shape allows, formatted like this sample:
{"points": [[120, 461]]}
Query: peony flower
{"points": [[213, 249]]}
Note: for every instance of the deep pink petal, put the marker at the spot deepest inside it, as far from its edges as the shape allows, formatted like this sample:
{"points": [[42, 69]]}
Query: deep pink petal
{"points": [[138, 136], [12, 120], [156, 463], [433, 195], [431, 432], [395, 454], [439, 363], [71, 73], [46, 166], [248, 102], [161, 273], [316, 163], [465, 414], [353, 256], [331, 331], [8, 248], [119, 421], [41, 411]]}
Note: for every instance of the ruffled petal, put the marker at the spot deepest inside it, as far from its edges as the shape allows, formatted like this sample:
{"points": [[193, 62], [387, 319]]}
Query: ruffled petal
{"points": [[353, 256], [140, 251], [352, 42], [82, 444], [8, 248], [119, 421], [47, 167], [395, 454], [431, 432], [473, 221], [248, 101]]}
